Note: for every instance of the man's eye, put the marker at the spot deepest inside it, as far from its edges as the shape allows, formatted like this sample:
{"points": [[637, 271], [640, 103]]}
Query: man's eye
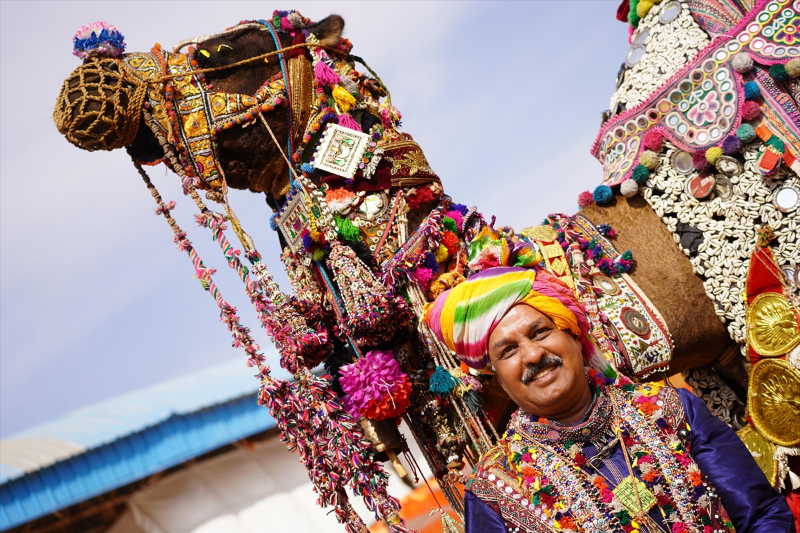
{"points": [[541, 333], [508, 350]]}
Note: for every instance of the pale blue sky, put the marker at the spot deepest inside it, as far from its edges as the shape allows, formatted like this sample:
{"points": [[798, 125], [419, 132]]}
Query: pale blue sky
{"points": [[505, 99]]}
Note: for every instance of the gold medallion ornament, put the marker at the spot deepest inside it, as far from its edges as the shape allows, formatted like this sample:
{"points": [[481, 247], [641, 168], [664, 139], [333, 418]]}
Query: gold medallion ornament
{"points": [[762, 451], [774, 405], [772, 325]]}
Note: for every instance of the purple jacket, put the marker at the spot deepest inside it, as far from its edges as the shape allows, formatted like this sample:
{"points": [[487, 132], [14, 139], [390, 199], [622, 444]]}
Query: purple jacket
{"points": [[752, 504]]}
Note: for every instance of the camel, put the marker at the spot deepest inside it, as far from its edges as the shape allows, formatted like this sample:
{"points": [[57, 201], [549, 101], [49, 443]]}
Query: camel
{"points": [[253, 158], [251, 161]]}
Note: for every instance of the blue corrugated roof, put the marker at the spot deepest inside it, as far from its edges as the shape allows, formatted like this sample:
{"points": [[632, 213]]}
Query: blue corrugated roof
{"points": [[121, 440]]}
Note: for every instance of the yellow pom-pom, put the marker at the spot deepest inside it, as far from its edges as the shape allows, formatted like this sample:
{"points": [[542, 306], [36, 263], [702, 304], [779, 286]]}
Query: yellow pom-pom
{"points": [[643, 8], [441, 253], [649, 159], [315, 235], [713, 154], [343, 99], [793, 68]]}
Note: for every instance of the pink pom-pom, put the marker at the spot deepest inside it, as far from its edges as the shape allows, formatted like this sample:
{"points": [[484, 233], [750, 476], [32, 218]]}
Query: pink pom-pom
{"points": [[653, 140], [423, 276], [585, 199], [389, 116], [286, 24], [700, 161], [346, 121], [750, 110], [325, 75], [457, 217], [631, 29]]}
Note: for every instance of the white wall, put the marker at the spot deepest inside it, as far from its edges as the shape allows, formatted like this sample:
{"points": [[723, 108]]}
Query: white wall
{"points": [[248, 490]]}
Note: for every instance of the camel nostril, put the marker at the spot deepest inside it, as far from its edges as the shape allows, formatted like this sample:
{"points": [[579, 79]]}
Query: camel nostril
{"points": [[204, 53]]}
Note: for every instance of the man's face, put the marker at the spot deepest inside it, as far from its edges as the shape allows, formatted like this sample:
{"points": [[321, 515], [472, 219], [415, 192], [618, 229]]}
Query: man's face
{"points": [[538, 365]]}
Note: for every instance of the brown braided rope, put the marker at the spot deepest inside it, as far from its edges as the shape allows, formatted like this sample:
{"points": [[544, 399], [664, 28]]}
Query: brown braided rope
{"points": [[99, 106]]}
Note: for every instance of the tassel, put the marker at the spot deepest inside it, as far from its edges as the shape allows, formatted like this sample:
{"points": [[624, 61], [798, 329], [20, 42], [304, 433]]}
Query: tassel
{"points": [[325, 75], [373, 313], [450, 524], [346, 229], [473, 401], [441, 382], [343, 99], [346, 121]]}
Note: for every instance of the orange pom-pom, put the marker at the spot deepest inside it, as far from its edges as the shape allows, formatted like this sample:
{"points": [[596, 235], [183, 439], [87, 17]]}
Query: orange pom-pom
{"points": [[450, 241]]}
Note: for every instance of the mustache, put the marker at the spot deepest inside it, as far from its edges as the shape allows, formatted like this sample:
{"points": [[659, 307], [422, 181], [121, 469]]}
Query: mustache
{"points": [[533, 368]]}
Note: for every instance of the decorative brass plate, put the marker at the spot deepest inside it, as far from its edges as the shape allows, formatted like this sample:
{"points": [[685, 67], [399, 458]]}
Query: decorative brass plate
{"points": [[774, 401], [762, 450], [635, 321], [540, 233], [606, 284], [772, 325]]}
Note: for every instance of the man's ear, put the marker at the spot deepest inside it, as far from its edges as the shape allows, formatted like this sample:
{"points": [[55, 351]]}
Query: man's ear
{"points": [[494, 372], [328, 30]]}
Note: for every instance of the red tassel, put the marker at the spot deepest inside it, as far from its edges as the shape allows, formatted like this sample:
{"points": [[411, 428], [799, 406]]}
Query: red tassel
{"points": [[300, 38], [623, 10]]}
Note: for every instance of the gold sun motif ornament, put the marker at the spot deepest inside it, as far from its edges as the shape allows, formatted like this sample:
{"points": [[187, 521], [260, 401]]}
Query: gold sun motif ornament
{"points": [[772, 325], [762, 450], [774, 404]]}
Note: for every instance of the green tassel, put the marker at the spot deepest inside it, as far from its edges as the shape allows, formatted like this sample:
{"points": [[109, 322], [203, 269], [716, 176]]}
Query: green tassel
{"points": [[450, 224], [473, 401], [347, 230]]}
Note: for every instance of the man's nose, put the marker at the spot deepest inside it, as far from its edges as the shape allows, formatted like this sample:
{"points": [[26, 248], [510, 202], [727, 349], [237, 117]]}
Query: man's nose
{"points": [[532, 353]]}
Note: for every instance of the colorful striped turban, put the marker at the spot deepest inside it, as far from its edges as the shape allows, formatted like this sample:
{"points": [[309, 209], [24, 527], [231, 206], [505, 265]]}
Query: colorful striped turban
{"points": [[464, 316]]}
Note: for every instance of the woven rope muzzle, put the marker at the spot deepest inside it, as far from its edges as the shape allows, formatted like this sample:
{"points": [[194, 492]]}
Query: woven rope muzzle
{"points": [[99, 107]]}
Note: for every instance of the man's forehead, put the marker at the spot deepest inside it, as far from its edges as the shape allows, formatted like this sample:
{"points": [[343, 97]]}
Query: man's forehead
{"points": [[520, 318]]}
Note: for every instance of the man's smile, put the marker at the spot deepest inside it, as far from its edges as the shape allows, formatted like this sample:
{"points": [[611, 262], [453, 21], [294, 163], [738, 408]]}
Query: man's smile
{"points": [[543, 368]]}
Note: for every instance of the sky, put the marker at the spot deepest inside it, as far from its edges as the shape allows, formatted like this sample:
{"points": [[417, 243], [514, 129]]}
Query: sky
{"points": [[504, 98]]}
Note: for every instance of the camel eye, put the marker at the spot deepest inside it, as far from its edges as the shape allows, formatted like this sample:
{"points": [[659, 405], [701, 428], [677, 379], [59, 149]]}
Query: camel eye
{"points": [[220, 47]]}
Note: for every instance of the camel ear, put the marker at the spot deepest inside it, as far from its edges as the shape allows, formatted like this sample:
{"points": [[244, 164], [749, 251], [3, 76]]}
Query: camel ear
{"points": [[328, 30]]}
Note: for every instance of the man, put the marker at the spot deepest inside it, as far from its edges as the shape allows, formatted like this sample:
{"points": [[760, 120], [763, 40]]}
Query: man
{"points": [[587, 452]]}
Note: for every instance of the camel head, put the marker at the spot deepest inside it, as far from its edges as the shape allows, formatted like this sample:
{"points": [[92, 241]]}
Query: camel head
{"points": [[209, 117]]}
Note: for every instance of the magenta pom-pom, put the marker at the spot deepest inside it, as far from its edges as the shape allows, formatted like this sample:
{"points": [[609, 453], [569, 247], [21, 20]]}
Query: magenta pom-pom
{"points": [[457, 217], [286, 24], [423, 276], [653, 140], [585, 199], [750, 110], [700, 161], [325, 75], [346, 121]]}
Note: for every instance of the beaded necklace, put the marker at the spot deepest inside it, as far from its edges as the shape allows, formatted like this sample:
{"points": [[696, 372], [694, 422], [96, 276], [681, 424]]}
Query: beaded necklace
{"points": [[541, 467]]}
